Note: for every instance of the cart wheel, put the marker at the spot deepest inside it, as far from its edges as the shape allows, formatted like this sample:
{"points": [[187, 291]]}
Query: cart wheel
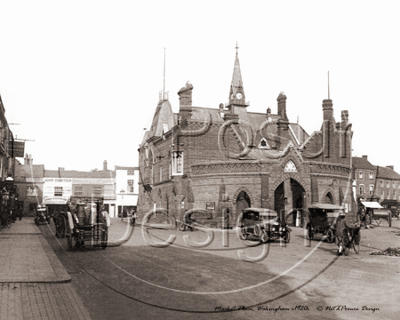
{"points": [[286, 238], [330, 236], [243, 234], [70, 240], [310, 234], [346, 250], [264, 236]]}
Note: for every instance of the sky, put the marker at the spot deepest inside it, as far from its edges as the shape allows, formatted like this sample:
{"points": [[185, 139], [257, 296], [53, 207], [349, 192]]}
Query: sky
{"points": [[82, 78]]}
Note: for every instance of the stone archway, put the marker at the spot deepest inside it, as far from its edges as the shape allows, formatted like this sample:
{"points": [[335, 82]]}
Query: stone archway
{"points": [[289, 200], [242, 199]]}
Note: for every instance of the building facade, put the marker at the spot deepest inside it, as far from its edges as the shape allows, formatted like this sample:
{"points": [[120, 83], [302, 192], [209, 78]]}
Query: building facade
{"points": [[231, 158], [29, 181], [364, 175], [7, 159], [127, 190]]}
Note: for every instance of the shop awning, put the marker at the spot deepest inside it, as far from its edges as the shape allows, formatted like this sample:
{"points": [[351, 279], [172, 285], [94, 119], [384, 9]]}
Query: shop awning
{"points": [[326, 206], [374, 205]]}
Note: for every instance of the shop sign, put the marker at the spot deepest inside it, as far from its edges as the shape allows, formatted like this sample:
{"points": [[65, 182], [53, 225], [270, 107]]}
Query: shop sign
{"points": [[210, 205]]}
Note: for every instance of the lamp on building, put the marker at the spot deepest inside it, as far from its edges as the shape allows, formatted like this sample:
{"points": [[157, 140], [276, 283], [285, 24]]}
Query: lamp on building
{"points": [[122, 192]]}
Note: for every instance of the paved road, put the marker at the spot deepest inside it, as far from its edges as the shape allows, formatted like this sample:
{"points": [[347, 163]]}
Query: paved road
{"points": [[139, 281]]}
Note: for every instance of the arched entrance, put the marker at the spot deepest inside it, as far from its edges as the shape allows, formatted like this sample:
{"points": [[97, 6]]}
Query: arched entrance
{"points": [[289, 198], [242, 202]]}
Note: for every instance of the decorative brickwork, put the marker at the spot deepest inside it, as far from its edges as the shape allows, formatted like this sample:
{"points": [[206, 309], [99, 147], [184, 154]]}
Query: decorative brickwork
{"points": [[227, 167]]}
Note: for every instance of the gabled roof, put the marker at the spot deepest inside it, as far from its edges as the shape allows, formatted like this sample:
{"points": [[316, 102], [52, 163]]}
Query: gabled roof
{"points": [[29, 171], [387, 173], [362, 163], [79, 174]]}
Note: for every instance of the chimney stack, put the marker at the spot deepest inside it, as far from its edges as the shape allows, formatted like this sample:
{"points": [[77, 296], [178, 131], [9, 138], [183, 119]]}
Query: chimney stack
{"points": [[282, 106], [185, 95], [105, 165], [390, 167], [365, 157], [327, 107]]}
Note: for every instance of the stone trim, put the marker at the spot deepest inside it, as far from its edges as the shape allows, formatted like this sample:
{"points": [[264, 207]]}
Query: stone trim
{"points": [[292, 175], [235, 195]]}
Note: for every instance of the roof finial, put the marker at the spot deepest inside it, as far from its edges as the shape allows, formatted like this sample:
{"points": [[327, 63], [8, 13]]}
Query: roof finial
{"points": [[237, 47], [328, 87]]}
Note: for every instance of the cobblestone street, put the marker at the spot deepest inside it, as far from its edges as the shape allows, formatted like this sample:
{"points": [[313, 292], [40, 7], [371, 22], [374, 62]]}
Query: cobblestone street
{"points": [[138, 281]]}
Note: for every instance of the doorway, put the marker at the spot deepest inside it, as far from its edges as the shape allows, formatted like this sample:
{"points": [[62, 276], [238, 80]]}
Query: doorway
{"points": [[289, 201]]}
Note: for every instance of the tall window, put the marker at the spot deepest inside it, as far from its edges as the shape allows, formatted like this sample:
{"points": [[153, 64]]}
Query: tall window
{"points": [[361, 174], [371, 189], [58, 191], [177, 163], [388, 184], [170, 171], [160, 173], [394, 184], [381, 183], [362, 191], [130, 186], [388, 194], [78, 191], [394, 195]]}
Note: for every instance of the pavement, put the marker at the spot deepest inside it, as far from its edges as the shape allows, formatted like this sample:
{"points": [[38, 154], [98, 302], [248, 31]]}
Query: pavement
{"points": [[33, 282]]}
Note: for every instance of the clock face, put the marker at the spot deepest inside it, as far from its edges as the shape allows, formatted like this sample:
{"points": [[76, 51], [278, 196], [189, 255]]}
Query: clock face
{"points": [[239, 96]]}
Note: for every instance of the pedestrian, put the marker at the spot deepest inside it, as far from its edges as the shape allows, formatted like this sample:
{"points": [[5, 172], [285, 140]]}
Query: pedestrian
{"points": [[340, 232], [106, 216], [188, 222]]}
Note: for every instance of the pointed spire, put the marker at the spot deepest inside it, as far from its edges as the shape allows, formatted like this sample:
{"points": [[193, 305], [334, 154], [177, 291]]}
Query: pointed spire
{"points": [[236, 94]]}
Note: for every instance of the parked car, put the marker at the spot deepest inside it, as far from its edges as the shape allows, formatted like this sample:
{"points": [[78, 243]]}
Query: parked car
{"points": [[263, 224]]}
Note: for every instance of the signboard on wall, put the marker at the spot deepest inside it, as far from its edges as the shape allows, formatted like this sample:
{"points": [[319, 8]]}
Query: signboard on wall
{"points": [[18, 149], [210, 205]]}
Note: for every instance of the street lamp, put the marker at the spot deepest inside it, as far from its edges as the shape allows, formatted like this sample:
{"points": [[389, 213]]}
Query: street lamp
{"points": [[122, 209]]}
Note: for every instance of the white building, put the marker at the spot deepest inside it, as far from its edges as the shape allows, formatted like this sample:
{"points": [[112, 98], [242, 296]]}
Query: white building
{"points": [[127, 189]]}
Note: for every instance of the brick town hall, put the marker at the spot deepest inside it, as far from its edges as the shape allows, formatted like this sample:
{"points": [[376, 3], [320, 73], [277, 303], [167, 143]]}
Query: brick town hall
{"points": [[210, 158]]}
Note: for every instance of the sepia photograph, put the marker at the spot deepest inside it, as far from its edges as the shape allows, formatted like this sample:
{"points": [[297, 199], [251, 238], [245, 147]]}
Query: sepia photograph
{"points": [[199, 159]]}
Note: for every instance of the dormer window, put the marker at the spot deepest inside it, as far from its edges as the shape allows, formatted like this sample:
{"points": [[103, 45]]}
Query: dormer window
{"points": [[263, 144]]}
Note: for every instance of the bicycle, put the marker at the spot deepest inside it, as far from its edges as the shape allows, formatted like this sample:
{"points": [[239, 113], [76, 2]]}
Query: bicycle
{"points": [[352, 240]]}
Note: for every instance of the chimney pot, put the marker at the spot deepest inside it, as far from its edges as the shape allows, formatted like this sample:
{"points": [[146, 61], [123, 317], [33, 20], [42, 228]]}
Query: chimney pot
{"points": [[105, 165], [365, 157]]}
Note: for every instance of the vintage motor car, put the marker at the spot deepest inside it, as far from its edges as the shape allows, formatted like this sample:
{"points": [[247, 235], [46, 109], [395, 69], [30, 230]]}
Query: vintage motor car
{"points": [[321, 220], [263, 224], [42, 215]]}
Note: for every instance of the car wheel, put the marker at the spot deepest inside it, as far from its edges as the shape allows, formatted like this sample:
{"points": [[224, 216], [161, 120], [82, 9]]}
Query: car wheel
{"points": [[286, 238], [264, 236], [243, 234]]}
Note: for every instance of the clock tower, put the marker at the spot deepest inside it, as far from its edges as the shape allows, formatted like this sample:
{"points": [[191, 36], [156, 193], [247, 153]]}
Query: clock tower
{"points": [[236, 93]]}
